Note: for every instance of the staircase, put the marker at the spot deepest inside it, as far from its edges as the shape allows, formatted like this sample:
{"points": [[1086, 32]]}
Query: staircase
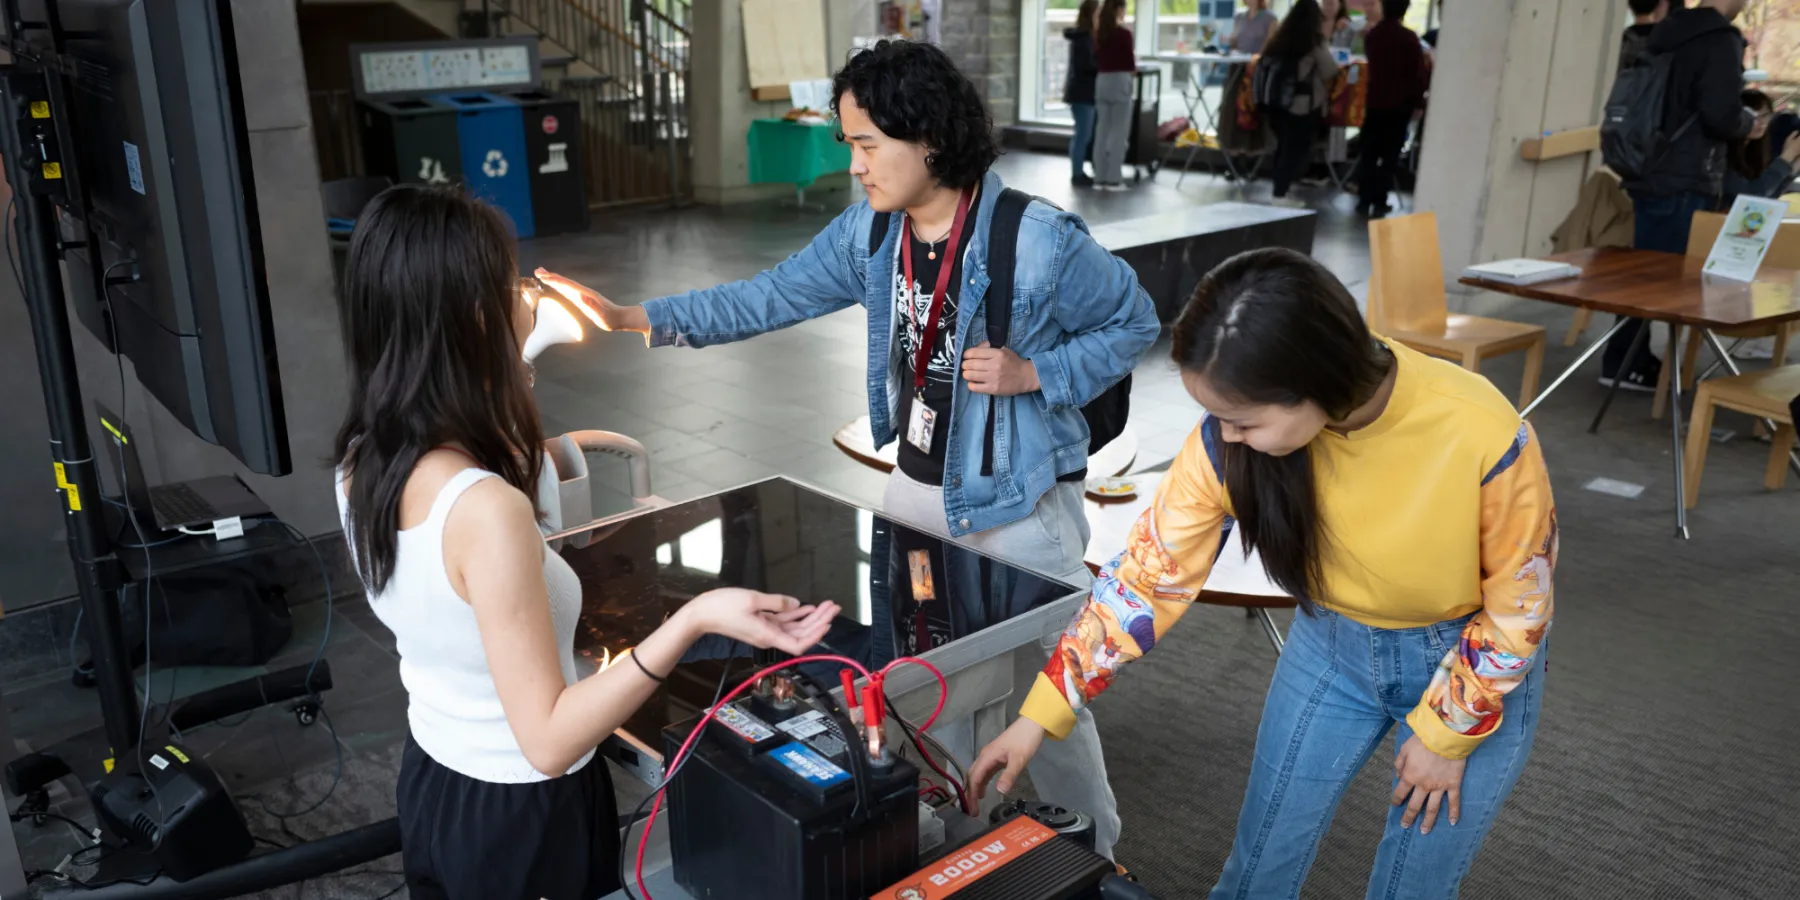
{"points": [[627, 63]]}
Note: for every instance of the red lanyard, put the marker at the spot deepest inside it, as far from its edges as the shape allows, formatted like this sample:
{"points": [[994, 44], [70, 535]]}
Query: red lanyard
{"points": [[943, 285]]}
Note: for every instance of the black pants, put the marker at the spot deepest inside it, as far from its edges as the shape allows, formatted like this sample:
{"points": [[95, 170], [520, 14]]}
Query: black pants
{"points": [[463, 838], [1293, 147], [1661, 223], [1383, 142]]}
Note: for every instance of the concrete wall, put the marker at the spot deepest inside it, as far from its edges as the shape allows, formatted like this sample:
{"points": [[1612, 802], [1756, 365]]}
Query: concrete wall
{"points": [[982, 36], [1509, 70]]}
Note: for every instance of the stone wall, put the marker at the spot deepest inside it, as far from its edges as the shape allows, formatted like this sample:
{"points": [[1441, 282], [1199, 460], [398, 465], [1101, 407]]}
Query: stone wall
{"points": [[982, 36]]}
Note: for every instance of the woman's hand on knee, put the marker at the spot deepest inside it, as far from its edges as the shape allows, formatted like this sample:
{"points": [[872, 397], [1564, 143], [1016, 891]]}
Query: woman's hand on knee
{"points": [[1427, 783], [1007, 755]]}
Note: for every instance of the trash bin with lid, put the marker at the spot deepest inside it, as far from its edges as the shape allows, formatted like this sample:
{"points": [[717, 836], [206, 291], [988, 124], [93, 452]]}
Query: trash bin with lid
{"points": [[491, 130], [553, 152], [411, 140]]}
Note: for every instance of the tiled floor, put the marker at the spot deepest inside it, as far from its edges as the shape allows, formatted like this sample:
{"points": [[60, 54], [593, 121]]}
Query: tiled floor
{"points": [[712, 419]]}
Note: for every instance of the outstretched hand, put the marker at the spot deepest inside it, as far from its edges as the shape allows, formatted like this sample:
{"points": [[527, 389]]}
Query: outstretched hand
{"points": [[1005, 755], [768, 621], [608, 315]]}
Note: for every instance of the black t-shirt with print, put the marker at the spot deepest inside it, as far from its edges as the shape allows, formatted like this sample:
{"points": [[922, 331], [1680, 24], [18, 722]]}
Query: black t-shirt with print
{"points": [[912, 309]]}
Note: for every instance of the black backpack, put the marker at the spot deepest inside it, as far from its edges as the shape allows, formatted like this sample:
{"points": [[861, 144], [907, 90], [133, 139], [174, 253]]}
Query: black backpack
{"points": [[1274, 84], [1105, 414], [1631, 129]]}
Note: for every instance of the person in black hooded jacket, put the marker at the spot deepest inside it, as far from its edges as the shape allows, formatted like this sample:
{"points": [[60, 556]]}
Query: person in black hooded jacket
{"points": [[1078, 89], [1704, 113]]}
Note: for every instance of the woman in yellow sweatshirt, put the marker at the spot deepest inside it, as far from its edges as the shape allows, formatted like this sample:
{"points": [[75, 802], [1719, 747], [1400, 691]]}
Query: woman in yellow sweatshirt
{"points": [[1406, 506]]}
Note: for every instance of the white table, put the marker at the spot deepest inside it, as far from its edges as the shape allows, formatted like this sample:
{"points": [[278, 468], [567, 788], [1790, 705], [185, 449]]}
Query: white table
{"points": [[1203, 118]]}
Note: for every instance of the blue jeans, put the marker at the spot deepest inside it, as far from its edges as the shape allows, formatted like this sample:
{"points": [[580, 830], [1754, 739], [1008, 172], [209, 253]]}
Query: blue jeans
{"points": [[1082, 139], [1660, 223], [1339, 688]]}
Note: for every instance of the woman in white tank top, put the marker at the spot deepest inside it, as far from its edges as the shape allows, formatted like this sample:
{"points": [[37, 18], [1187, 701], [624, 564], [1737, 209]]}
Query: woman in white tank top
{"points": [[499, 793]]}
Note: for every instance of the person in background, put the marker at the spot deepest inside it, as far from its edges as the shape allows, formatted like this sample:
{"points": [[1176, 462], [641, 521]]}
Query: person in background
{"points": [[1749, 169], [922, 144], [1397, 87], [1335, 25], [1644, 16], [1299, 45], [499, 792], [1078, 89], [1406, 505], [1116, 55], [1705, 113], [1251, 29]]}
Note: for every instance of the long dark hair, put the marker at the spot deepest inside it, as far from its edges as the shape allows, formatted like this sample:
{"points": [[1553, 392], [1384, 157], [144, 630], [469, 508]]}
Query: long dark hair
{"points": [[1107, 20], [1750, 157], [1084, 18], [1273, 326], [426, 312], [1300, 33]]}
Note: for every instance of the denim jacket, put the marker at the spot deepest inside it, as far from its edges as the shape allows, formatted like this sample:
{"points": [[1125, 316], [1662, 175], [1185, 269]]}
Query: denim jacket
{"points": [[1078, 314]]}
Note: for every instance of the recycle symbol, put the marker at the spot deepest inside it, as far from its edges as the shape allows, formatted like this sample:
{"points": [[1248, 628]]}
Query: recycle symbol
{"points": [[495, 165]]}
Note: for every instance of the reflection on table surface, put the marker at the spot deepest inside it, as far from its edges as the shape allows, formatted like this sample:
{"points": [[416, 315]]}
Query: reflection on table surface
{"points": [[785, 538]]}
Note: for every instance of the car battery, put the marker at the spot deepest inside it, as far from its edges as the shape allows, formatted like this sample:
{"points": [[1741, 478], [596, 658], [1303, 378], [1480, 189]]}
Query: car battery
{"points": [[1018, 859], [766, 808]]}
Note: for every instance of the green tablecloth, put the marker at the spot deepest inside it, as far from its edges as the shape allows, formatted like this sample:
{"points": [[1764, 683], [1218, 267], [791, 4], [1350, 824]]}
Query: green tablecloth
{"points": [[783, 152]]}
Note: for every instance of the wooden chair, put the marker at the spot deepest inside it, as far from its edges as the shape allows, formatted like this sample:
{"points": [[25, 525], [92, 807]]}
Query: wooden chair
{"points": [[1766, 394], [1407, 303], [1784, 253]]}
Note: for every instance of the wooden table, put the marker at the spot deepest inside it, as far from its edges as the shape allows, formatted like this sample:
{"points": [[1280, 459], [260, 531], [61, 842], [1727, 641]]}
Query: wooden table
{"points": [[1237, 579], [1668, 288]]}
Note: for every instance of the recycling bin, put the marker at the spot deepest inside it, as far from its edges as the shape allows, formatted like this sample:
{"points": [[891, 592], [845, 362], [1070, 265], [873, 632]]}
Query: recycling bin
{"points": [[491, 131], [553, 153], [412, 140]]}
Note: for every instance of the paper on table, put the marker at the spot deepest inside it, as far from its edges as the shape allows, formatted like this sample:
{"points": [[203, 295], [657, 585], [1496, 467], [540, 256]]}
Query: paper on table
{"points": [[1744, 241], [784, 41], [813, 94]]}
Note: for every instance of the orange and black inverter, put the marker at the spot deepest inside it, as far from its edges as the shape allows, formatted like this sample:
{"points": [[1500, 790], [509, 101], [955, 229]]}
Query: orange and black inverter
{"points": [[1019, 859]]}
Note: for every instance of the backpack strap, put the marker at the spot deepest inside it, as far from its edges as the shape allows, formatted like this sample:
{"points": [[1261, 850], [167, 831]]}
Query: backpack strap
{"points": [[1003, 254], [878, 229]]}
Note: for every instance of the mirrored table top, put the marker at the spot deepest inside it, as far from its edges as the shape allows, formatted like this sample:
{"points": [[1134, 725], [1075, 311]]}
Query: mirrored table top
{"points": [[783, 537]]}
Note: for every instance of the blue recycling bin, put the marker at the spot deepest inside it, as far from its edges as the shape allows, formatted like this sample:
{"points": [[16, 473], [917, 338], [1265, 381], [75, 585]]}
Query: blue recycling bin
{"points": [[491, 131]]}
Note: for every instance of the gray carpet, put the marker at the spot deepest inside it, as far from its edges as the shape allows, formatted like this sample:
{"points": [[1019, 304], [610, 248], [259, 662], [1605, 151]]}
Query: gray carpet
{"points": [[1665, 762]]}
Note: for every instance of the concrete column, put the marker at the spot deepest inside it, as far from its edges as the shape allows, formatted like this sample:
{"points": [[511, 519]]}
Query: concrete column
{"points": [[982, 37], [1510, 70]]}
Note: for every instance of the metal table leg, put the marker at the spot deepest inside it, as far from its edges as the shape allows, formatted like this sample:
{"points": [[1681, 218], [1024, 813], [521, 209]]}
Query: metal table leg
{"points": [[1719, 350], [1681, 526], [1638, 345], [1578, 363], [1268, 624]]}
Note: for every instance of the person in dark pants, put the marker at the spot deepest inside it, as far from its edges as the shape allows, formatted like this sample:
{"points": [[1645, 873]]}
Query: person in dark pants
{"points": [[1706, 78], [1078, 89], [1299, 47], [1396, 93], [500, 793]]}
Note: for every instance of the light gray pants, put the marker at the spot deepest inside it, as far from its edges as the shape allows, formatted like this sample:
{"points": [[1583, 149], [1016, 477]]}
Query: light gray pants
{"points": [[1112, 125], [1072, 772]]}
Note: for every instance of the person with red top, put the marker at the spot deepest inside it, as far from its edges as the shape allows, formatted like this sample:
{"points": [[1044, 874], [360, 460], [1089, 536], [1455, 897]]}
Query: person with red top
{"points": [[1116, 55], [1397, 85]]}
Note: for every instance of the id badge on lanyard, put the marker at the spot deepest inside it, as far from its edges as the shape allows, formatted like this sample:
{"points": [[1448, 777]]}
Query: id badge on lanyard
{"points": [[922, 425]]}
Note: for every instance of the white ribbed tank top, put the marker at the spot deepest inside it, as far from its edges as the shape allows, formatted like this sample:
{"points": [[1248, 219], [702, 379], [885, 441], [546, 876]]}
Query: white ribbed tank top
{"points": [[452, 706]]}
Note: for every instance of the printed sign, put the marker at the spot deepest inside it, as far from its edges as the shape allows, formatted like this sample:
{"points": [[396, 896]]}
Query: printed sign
{"points": [[1744, 241], [745, 725], [804, 726], [970, 864]]}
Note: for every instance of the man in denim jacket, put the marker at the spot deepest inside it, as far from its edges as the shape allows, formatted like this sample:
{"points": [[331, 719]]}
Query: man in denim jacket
{"points": [[922, 144]]}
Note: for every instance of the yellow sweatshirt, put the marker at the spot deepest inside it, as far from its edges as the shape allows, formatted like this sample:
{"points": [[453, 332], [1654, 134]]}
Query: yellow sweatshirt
{"points": [[1438, 509]]}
